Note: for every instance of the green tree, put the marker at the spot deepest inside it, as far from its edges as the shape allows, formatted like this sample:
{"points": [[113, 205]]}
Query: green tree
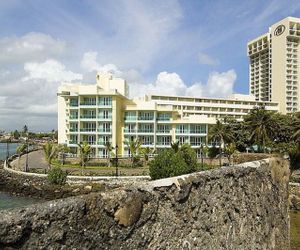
{"points": [[50, 151], [260, 124], [221, 134], [63, 149], [146, 153], [25, 131], [21, 149], [230, 149], [134, 148], [16, 134], [84, 151], [109, 148]]}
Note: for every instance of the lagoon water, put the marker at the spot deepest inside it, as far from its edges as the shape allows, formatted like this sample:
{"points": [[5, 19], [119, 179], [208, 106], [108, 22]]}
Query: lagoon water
{"points": [[8, 201], [3, 150]]}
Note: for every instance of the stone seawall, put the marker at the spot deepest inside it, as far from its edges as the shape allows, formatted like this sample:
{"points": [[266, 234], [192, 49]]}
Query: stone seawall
{"points": [[241, 207]]}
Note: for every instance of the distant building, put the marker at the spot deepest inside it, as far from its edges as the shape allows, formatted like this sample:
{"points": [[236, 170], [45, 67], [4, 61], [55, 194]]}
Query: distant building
{"points": [[103, 113], [274, 65]]}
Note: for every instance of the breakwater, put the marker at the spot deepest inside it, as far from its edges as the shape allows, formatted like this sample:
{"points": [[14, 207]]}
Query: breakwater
{"points": [[243, 207]]}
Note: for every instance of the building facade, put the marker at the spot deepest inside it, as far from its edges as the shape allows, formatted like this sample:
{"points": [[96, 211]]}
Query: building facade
{"points": [[273, 65], [103, 113]]}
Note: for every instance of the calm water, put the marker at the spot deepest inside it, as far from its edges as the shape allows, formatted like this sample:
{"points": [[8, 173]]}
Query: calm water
{"points": [[12, 149], [9, 201]]}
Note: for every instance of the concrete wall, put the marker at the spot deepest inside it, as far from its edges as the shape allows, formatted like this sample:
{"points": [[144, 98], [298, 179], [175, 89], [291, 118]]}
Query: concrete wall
{"points": [[241, 207]]}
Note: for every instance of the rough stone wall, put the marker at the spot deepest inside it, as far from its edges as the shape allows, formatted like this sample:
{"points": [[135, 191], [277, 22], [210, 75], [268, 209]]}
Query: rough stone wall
{"points": [[241, 207]]}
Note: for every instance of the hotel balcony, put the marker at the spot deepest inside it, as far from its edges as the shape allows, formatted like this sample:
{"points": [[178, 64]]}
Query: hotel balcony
{"points": [[88, 130], [129, 131], [104, 118], [104, 131]]}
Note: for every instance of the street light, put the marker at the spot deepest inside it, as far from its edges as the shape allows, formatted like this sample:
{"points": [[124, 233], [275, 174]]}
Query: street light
{"points": [[116, 159], [7, 149], [26, 165]]}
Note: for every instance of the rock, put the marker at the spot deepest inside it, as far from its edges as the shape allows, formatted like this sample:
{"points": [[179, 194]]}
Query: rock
{"points": [[130, 212], [88, 188]]}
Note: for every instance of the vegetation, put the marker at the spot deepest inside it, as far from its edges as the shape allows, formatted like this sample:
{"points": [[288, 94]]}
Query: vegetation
{"points": [[220, 134], [173, 162], [109, 148], [50, 151], [57, 176], [146, 153], [84, 152], [134, 148], [21, 149]]}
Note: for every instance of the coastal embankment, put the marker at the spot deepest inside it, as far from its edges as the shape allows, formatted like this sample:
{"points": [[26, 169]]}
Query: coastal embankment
{"points": [[243, 207]]}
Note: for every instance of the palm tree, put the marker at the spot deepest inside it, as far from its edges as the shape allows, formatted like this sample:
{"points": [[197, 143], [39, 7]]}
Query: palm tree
{"points": [[230, 149], [146, 152], [134, 147], [204, 151], [260, 123], [50, 151], [62, 149], [84, 151], [175, 146], [109, 148], [222, 134]]}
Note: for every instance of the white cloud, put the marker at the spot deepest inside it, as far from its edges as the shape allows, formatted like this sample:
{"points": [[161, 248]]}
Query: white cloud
{"points": [[207, 59], [30, 47], [218, 85], [89, 63], [50, 71]]}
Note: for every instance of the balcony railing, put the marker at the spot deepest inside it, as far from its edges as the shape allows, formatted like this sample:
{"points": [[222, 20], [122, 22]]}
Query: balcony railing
{"points": [[129, 130], [73, 130], [104, 117], [72, 142], [103, 143], [182, 131], [163, 131], [198, 132], [88, 117], [145, 131], [101, 130], [87, 130], [88, 104], [73, 117], [130, 118], [146, 118]]}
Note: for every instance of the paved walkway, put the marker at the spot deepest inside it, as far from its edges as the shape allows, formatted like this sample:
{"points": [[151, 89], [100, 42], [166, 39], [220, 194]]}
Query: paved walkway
{"points": [[36, 159]]}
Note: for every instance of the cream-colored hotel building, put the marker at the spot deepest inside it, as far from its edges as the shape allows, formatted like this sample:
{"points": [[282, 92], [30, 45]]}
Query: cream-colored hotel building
{"points": [[274, 65], [103, 113]]}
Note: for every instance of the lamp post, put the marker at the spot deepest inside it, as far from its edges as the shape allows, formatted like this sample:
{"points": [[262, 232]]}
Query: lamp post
{"points": [[7, 149], [26, 164], [117, 160]]}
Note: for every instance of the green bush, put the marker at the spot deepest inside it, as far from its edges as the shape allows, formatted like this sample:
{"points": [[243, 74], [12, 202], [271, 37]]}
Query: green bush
{"points": [[169, 163], [213, 152], [57, 176]]}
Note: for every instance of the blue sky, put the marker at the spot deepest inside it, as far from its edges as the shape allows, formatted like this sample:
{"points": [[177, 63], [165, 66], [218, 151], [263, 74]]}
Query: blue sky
{"points": [[172, 47]]}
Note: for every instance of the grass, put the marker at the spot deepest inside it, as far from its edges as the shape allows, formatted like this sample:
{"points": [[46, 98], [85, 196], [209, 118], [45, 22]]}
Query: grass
{"points": [[76, 169]]}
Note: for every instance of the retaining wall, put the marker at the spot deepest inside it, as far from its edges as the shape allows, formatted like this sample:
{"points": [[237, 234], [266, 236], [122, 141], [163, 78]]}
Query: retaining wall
{"points": [[241, 207]]}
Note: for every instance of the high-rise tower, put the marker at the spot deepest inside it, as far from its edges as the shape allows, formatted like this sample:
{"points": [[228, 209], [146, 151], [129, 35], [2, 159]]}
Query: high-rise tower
{"points": [[274, 65]]}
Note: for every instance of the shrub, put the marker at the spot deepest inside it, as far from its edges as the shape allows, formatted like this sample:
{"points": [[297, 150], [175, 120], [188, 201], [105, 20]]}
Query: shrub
{"points": [[57, 176], [169, 163], [213, 152]]}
